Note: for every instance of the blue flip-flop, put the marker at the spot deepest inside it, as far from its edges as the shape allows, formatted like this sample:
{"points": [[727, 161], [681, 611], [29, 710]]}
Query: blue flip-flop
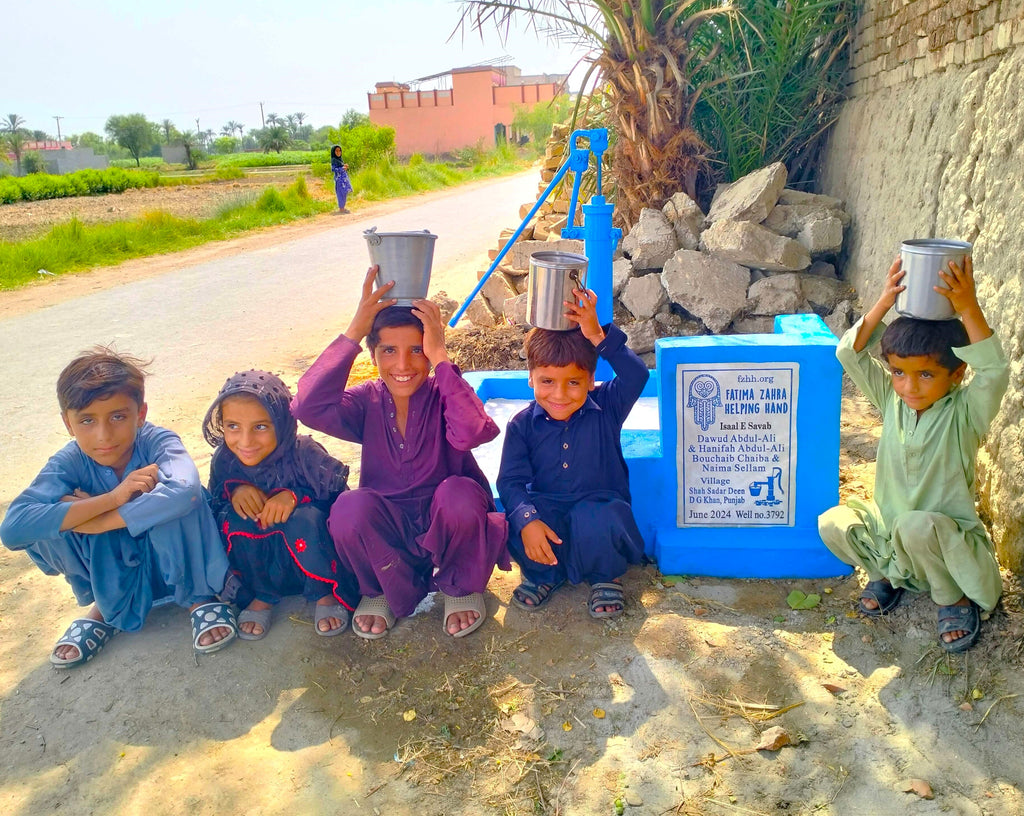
{"points": [[88, 636], [209, 616]]}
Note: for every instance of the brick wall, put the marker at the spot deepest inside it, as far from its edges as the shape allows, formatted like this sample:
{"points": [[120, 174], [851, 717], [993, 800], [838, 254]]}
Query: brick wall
{"points": [[901, 40]]}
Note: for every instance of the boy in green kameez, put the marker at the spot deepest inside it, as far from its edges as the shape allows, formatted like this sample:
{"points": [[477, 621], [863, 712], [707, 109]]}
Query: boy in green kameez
{"points": [[922, 531]]}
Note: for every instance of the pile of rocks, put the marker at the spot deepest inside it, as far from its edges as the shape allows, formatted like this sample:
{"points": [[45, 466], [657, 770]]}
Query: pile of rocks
{"points": [[760, 251]]}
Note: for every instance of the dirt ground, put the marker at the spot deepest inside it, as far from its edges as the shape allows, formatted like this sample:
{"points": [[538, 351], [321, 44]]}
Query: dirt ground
{"points": [[659, 712]]}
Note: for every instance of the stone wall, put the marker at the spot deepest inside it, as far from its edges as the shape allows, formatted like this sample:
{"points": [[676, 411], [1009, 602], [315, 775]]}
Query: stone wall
{"points": [[931, 143]]}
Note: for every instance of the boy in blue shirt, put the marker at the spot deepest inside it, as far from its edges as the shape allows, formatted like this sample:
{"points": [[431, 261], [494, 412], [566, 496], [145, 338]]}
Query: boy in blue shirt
{"points": [[121, 513], [563, 479], [922, 532]]}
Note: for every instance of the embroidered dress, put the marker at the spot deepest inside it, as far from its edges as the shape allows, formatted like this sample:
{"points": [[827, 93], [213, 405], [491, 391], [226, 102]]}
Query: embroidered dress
{"points": [[571, 475], [170, 547], [422, 517], [922, 530], [342, 184], [296, 557]]}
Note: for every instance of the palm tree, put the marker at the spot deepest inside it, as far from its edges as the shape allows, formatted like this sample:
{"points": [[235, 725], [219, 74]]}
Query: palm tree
{"points": [[230, 128], [644, 55], [274, 137], [273, 119], [299, 117], [167, 126], [14, 134]]}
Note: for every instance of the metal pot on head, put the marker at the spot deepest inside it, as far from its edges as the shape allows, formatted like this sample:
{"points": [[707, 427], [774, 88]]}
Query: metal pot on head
{"points": [[553, 276], [405, 258], [922, 259]]}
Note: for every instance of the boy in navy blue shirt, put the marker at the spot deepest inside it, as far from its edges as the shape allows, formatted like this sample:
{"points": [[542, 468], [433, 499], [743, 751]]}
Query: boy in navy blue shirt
{"points": [[563, 478]]}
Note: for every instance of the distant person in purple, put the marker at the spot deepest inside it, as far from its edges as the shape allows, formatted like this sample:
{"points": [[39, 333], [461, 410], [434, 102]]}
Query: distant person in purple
{"points": [[342, 184], [563, 480], [422, 517]]}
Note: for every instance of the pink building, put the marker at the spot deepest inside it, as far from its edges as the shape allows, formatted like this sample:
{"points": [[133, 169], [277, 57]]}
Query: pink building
{"points": [[480, 104]]}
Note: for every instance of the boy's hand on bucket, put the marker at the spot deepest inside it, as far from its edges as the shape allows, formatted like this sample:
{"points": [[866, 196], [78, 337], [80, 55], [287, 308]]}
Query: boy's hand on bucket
{"points": [[371, 302], [537, 541], [584, 314], [961, 293], [429, 314], [892, 286]]}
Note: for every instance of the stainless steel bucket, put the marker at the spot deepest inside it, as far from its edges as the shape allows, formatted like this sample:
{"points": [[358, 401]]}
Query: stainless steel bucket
{"points": [[553, 276], [922, 260], [405, 258]]}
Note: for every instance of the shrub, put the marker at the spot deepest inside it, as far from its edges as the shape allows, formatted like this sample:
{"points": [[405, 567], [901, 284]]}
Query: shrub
{"points": [[298, 189], [271, 201], [364, 144], [228, 173], [32, 162]]}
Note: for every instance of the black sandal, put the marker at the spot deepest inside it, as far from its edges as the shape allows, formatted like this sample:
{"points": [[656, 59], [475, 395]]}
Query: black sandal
{"points": [[537, 594], [606, 593], [882, 593], [959, 619]]}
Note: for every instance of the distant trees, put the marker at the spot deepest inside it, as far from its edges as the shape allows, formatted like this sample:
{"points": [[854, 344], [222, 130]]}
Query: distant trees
{"points": [[169, 130], [14, 136], [133, 132], [353, 118], [274, 137]]}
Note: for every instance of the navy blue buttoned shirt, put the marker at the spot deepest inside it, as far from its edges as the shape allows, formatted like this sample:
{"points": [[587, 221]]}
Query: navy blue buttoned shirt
{"points": [[578, 458]]}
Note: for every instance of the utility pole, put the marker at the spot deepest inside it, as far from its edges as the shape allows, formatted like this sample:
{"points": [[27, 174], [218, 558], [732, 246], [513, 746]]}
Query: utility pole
{"points": [[263, 122], [58, 118]]}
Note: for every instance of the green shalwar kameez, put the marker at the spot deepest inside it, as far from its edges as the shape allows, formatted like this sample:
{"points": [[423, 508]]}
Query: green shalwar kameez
{"points": [[922, 530]]}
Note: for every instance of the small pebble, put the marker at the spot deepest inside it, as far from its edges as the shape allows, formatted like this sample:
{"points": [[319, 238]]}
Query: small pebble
{"points": [[633, 799]]}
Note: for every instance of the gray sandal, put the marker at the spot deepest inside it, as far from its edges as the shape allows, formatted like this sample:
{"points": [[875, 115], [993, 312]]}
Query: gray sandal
{"points": [[335, 610], [261, 617]]}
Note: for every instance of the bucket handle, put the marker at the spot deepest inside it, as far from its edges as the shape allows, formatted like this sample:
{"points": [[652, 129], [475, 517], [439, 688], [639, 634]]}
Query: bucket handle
{"points": [[371, 236]]}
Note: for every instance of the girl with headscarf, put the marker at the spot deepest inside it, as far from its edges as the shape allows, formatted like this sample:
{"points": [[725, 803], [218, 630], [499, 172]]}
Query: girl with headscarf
{"points": [[272, 490], [342, 184]]}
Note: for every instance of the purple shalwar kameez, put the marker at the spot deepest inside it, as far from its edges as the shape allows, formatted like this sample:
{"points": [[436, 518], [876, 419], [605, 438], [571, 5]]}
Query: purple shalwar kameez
{"points": [[422, 517]]}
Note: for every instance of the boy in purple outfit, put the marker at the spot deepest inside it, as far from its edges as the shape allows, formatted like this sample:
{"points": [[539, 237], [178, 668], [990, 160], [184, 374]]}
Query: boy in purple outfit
{"points": [[563, 478], [422, 517]]}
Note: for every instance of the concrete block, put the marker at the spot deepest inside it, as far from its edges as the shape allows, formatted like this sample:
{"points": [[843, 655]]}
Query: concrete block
{"points": [[622, 271], [652, 241], [750, 198], [644, 296], [823, 293], [823, 236], [752, 245], [522, 250], [687, 219], [711, 289], [640, 335], [775, 295], [513, 310]]}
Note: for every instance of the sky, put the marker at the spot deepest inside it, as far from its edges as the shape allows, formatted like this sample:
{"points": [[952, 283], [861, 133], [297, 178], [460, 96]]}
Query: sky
{"points": [[217, 60]]}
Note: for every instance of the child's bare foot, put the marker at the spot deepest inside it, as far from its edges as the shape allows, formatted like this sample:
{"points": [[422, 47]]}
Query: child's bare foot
{"points": [[329, 623], [214, 635], [68, 651], [463, 613], [250, 627], [372, 624], [457, 621], [373, 617]]}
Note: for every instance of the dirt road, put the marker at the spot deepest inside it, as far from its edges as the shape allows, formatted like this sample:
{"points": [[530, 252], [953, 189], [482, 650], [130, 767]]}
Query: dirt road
{"points": [[549, 713]]}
